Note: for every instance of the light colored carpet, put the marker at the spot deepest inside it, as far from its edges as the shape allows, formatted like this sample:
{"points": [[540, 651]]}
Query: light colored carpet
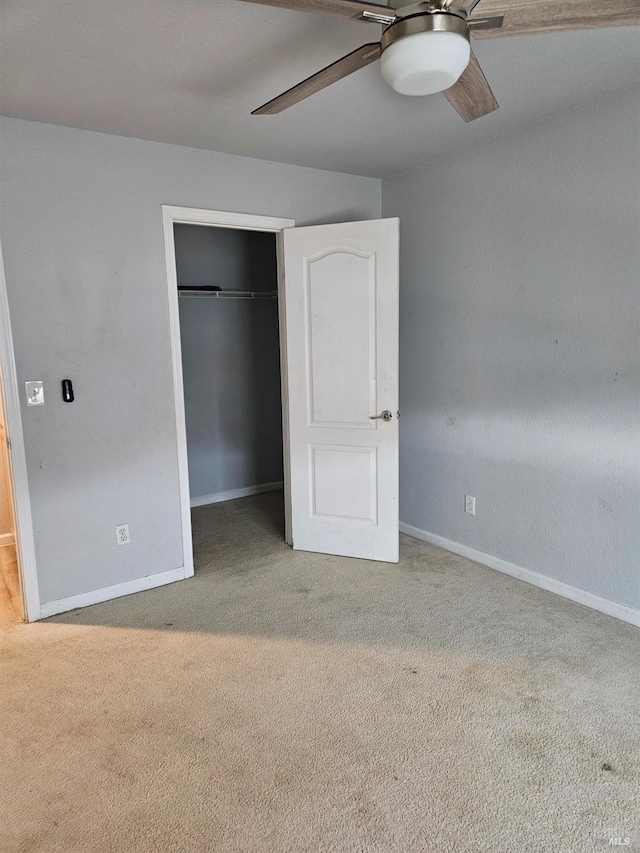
{"points": [[283, 701]]}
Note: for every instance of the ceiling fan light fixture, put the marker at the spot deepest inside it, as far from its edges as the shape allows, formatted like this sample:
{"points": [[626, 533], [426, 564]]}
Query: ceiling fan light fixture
{"points": [[425, 63], [425, 54]]}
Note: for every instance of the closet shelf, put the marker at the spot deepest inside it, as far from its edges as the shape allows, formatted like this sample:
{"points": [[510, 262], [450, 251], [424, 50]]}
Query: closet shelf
{"points": [[229, 294]]}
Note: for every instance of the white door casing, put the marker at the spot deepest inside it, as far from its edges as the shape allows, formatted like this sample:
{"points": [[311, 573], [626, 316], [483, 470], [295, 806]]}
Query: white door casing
{"points": [[218, 219], [341, 365], [16, 453]]}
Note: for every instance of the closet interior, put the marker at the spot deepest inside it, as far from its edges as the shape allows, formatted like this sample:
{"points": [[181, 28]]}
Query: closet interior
{"points": [[227, 287]]}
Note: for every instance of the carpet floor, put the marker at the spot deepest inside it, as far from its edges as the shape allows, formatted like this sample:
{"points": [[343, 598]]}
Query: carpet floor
{"points": [[283, 702]]}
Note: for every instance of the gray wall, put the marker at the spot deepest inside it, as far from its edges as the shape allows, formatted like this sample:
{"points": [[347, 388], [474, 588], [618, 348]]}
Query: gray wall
{"points": [[520, 347], [81, 231], [230, 360]]}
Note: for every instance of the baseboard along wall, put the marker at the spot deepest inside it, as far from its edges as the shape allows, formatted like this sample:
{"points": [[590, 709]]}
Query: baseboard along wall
{"points": [[580, 596], [245, 492], [97, 596], [63, 605], [588, 599]]}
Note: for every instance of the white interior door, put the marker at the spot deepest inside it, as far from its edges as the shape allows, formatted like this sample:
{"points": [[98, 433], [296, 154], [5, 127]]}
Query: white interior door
{"points": [[340, 361]]}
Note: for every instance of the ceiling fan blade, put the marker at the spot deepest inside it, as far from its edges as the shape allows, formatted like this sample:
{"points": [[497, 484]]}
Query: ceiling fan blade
{"points": [[336, 71], [354, 10], [526, 17], [471, 97]]}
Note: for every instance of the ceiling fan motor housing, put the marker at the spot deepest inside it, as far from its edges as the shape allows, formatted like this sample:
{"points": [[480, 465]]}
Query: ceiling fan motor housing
{"points": [[425, 53]]}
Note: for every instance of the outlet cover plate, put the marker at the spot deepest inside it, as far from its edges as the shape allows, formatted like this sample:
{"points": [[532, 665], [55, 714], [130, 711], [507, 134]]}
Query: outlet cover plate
{"points": [[470, 504], [122, 534]]}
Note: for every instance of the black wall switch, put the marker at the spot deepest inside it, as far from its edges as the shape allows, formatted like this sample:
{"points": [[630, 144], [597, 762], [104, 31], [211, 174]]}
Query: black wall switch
{"points": [[67, 391]]}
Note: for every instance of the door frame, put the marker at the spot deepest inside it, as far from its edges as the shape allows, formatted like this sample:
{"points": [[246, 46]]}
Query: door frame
{"points": [[216, 219], [16, 453]]}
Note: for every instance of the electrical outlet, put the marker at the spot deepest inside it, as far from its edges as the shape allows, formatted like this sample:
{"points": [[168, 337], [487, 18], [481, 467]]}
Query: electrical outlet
{"points": [[122, 534], [470, 504]]}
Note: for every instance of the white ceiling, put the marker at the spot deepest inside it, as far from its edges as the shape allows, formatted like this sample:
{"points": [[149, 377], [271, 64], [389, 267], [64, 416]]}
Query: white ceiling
{"points": [[190, 71]]}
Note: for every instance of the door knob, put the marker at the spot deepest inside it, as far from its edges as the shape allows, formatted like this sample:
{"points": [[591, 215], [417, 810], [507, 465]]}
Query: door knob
{"points": [[385, 416]]}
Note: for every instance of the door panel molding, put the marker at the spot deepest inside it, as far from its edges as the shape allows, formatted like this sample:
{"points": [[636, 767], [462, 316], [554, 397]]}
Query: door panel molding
{"points": [[321, 298], [340, 490]]}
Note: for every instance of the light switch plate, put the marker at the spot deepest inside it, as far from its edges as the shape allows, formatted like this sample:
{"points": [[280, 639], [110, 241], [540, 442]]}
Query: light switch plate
{"points": [[35, 393]]}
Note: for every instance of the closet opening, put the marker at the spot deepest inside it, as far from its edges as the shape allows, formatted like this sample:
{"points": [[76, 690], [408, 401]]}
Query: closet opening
{"points": [[227, 286]]}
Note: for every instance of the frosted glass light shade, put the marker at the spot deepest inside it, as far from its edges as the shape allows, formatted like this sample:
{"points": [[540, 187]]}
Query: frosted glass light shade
{"points": [[424, 63]]}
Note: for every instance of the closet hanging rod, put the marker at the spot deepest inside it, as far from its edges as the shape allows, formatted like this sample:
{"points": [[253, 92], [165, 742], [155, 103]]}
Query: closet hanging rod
{"points": [[229, 294]]}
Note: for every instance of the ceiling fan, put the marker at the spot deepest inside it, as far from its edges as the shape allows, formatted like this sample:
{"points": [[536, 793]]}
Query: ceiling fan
{"points": [[425, 46]]}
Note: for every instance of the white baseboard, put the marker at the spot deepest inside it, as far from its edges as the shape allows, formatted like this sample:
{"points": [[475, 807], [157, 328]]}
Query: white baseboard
{"points": [[6, 539], [51, 608], [217, 498], [580, 596]]}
